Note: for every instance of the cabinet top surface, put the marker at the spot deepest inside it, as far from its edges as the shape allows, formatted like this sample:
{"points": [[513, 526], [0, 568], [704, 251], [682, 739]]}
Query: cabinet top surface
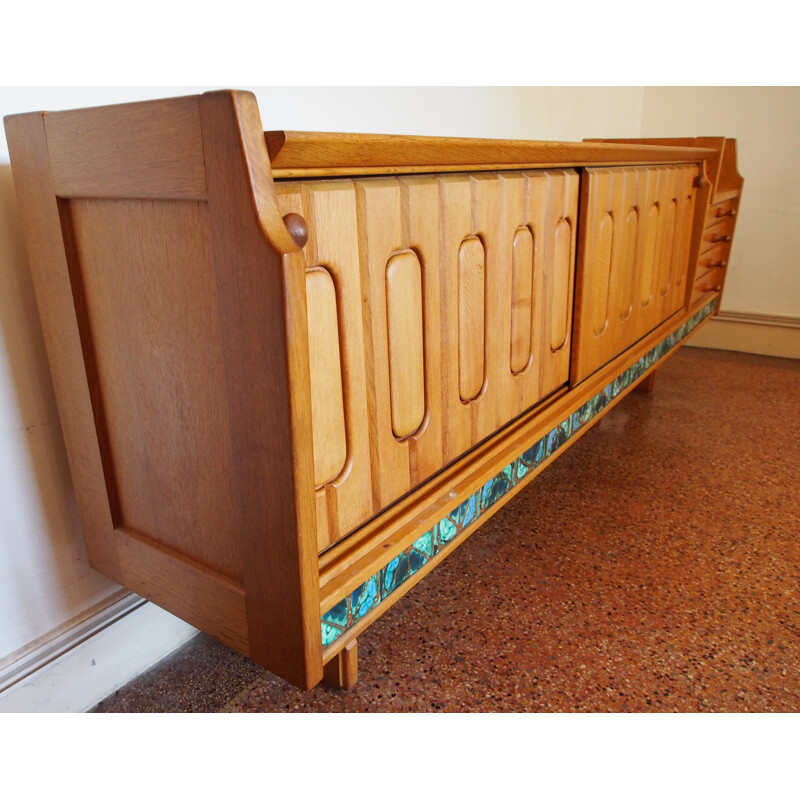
{"points": [[296, 154]]}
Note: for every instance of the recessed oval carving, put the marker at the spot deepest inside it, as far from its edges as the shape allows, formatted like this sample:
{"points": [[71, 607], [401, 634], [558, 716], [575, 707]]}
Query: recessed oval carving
{"points": [[562, 269], [668, 246], [602, 273], [471, 317], [405, 339], [522, 267], [327, 401], [648, 267], [628, 264]]}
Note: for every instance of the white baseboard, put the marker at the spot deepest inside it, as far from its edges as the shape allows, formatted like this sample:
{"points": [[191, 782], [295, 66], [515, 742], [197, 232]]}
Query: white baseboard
{"points": [[765, 334], [85, 660]]}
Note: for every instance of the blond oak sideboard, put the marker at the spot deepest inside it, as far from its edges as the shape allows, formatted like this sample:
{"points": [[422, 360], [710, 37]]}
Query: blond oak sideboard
{"points": [[295, 370]]}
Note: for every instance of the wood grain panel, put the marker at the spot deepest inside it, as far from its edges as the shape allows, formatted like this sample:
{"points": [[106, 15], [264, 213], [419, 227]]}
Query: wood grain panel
{"points": [[144, 150], [329, 207], [436, 284], [601, 273], [306, 154], [668, 246], [455, 215], [627, 282], [471, 317], [406, 359], [562, 268], [629, 286], [521, 299], [200, 596], [260, 294], [553, 198], [421, 229], [327, 402], [380, 235], [650, 253], [44, 243], [158, 399]]}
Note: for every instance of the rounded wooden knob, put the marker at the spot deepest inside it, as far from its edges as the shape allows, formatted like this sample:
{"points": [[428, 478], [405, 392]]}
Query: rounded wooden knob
{"points": [[719, 264], [731, 212], [721, 239], [297, 227]]}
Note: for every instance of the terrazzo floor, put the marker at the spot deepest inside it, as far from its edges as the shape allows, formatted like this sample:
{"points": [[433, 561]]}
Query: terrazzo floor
{"points": [[655, 566]]}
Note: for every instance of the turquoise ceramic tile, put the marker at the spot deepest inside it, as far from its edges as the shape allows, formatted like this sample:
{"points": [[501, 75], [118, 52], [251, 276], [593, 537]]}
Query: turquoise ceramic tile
{"points": [[467, 512], [446, 531], [391, 576], [335, 622], [534, 456], [494, 489], [424, 544], [365, 598], [416, 559], [330, 633]]}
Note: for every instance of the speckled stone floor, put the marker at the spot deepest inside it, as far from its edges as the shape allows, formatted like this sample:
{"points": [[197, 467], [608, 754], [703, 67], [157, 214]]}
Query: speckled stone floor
{"points": [[655, 566]]}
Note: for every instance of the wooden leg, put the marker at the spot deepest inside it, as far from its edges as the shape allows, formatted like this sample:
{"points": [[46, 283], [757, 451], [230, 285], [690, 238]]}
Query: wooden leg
{"points": [[341, 672], [646, 386]]}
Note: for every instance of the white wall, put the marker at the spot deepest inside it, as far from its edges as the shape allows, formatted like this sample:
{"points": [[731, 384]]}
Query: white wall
{"points": [[764, 271], [45, 580]]}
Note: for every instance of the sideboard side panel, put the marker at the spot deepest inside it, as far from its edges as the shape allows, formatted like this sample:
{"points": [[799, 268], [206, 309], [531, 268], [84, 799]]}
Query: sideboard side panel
{"points": [[151, 345], [88, 292], [263, 323]]}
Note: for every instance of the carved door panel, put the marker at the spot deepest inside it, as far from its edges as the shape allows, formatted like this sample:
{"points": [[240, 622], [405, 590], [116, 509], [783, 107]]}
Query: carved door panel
{"points": [[636, 227], [439, 309]]}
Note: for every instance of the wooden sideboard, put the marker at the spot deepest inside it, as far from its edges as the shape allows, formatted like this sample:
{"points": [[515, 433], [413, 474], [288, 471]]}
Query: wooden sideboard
{"points": [[295, 370]]}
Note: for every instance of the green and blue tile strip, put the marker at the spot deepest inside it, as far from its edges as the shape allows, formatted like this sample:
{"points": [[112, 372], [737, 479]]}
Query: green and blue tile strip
{"points": [[356, 605]]}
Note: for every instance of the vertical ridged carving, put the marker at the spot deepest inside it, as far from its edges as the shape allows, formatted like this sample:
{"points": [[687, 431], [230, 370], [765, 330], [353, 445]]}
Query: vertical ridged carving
{"points": [[668, 246], [471, 317], [562, 263], [602, 273], [521, 299], [426, 273], [627, 264], [405, 338], [650, 253], [638, 225], [327, 404]]}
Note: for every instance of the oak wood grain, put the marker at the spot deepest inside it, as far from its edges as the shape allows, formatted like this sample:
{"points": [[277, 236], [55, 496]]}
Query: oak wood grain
{"points": [[471, 317], [307, 154], [44, 242], [263, 324], [635, 258], [325, 366], [404, 314], [522, 269], [151, 149]]}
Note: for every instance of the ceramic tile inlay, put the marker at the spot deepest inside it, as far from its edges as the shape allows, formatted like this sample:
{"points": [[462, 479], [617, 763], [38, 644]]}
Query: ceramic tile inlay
{"points": [[350, 609]]}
